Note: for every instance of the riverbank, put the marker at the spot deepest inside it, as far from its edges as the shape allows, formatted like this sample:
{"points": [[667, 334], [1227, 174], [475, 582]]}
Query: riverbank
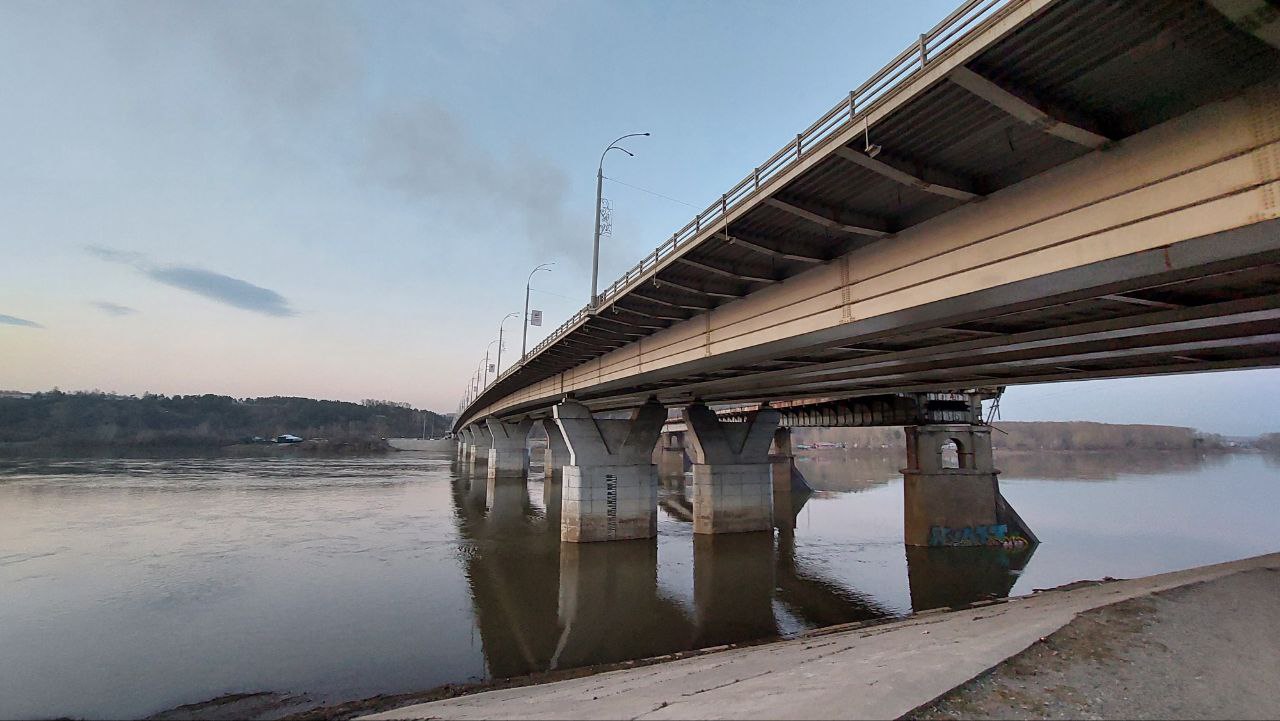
{"points": [[925, 665]]}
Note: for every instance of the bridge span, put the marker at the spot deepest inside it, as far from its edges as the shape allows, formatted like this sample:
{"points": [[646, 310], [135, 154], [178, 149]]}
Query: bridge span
{"points": [[1036, 191]]}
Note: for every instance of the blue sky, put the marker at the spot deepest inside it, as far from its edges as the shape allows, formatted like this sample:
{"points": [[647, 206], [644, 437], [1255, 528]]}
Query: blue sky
{"points": [[342, 200]]}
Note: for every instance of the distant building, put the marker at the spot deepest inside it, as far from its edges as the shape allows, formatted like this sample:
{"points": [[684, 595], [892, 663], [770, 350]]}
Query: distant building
{"points": [[287, 438], [14, 394]]}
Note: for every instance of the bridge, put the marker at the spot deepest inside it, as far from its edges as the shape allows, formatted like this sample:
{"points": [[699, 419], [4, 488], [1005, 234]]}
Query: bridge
{"points": [[1035, 191]]}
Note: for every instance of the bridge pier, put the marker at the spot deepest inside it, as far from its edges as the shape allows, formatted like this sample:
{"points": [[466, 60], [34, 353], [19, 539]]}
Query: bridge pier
{"points": [[508, 447], [956, 503], [670, 455], [610, 489], [478, 452], [556, 455], [732, 473], [464, 445]]}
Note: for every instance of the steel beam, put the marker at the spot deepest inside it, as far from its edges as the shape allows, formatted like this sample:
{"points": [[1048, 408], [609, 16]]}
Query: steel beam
{"points": [[659, 282], [738, 240], [825, 221], [1024, 110], [726, 273], [901, 176]]}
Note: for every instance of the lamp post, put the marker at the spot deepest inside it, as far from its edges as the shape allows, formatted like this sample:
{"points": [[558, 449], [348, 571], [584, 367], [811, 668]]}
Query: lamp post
{"points": [[524, 333], [595, 258], [486, 359], [504, 321]]}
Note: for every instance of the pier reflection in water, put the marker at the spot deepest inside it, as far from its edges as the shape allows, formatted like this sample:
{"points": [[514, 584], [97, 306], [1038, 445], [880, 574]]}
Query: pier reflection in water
{"points": [[540, 604]]}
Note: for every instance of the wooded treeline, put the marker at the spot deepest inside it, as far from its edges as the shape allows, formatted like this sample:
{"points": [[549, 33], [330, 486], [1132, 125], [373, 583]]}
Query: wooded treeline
{"points": [[1038, 436], [91, 418]]}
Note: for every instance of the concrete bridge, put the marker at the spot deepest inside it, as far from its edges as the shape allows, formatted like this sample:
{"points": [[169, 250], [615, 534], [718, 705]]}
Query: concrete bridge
{"points": [[1036, 191]]}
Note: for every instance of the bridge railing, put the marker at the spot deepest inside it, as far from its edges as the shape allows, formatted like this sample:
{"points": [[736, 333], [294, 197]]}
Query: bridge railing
{"points": [[848, 112]]}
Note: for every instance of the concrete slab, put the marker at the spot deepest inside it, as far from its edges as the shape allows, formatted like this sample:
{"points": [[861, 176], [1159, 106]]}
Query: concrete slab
{"points": [[880, 671]]}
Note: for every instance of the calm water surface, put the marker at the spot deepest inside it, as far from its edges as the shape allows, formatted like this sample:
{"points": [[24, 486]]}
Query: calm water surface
{"points": [[128, 586]]}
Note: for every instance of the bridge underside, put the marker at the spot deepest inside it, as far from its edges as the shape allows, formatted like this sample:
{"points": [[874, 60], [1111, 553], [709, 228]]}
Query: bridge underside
{"points": [[1124, 317], [1086, 190]]}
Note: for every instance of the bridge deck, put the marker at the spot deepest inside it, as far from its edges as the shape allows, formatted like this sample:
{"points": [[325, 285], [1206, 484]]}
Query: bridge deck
{"points": [[1007, 92]]}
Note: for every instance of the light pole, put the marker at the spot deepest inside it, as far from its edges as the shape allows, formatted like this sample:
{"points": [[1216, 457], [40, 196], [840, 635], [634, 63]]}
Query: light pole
{"points": [[486, 358], [504, 321], [524, 332], [595, 258]]}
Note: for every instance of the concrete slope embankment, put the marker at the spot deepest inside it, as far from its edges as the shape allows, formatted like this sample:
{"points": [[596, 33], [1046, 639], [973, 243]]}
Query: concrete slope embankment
{"points": [[882, 671]]}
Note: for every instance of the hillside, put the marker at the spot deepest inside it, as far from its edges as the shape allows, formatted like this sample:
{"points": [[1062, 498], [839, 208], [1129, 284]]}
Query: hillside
{"points": [[1036, 436], [100, 419]]}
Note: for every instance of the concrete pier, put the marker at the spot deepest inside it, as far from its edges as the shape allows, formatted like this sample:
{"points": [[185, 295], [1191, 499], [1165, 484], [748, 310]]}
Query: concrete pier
{"points": [[556, 454], [669, 455], [955, 502], [610, 486], [508, 449], [478, 451], [732, 474]]}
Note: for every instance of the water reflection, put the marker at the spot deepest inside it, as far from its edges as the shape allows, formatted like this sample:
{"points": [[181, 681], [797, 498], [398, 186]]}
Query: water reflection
{"points": [[540, 604], [946, 577]]}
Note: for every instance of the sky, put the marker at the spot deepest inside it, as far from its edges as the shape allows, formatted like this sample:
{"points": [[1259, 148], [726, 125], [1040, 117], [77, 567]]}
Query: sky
{"points": [[343, 200]]}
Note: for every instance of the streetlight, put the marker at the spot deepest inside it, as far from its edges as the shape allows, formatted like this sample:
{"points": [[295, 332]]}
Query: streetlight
{"points": [[595, 258], [524, 332], [486, 359], [504, 322]]}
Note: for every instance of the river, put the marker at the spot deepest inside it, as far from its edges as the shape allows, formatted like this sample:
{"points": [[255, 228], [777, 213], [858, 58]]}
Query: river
{"points": [[132, 585]]}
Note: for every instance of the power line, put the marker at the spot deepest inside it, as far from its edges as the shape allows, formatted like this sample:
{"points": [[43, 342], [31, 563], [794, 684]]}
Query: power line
{"points": [[539, 290], [650, 192]]}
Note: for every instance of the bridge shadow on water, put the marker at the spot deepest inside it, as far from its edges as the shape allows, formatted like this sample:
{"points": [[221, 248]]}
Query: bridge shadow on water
{"points": [[541, 605]]}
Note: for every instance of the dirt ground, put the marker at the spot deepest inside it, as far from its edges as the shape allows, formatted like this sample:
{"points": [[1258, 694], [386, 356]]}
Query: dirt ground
{"points": [[1209, 650]]}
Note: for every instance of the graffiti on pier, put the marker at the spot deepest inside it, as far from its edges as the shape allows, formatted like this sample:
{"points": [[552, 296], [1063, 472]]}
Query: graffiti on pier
{"points": [[993, 535]]}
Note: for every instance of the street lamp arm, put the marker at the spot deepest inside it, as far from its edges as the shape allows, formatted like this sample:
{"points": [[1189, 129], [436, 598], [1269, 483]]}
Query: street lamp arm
{"points": [[614, 146]]}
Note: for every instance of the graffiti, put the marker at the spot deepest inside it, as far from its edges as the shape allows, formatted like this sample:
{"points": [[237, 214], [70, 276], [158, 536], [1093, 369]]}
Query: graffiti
{"points": [[994, 535]]}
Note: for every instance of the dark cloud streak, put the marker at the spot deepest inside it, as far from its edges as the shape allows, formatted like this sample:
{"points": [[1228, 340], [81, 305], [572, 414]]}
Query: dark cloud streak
{"points": [[214, 286], [22, 322], [113, 309], [223, 289]]}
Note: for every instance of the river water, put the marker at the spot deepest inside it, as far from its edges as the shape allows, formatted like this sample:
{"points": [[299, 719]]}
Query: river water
{"points": [[128, 586]]}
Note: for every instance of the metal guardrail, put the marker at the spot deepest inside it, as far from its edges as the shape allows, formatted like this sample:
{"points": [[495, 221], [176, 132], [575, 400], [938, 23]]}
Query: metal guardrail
{"points": [[848, 112]]}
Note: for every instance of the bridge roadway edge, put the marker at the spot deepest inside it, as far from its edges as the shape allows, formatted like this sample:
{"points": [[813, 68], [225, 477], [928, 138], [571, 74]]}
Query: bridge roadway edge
{"points": [[853, 671]]}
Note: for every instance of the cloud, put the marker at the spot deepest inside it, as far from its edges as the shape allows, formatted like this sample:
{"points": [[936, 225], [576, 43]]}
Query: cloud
{"points": [[112, 255], [23, 322], [215, 286], [113, 308], [424, 152], [223, 289]]}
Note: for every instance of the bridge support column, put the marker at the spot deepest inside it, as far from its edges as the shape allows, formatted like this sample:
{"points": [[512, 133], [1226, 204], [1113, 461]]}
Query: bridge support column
{"points": [[509, 447], [956, 502], [464, 445], [790, 490], [556, 455], [610, 490], [478, 453], [732, 475], [670, 455], [555, 458]]}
